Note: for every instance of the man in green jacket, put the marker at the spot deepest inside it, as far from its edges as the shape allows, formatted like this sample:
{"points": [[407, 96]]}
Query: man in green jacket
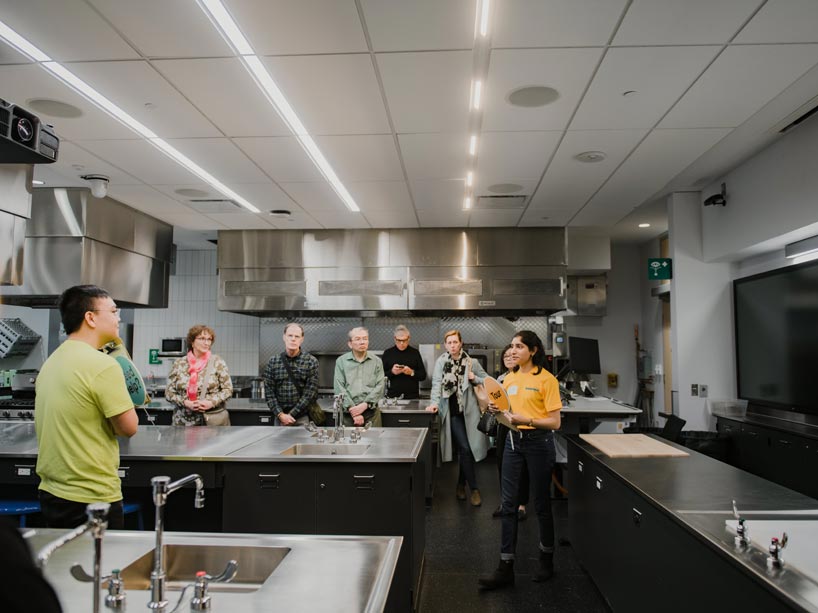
{"points": [[359, 378]]}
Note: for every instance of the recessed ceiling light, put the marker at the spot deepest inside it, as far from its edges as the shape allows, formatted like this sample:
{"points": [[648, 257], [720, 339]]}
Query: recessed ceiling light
{"points": [[590, 156], [37, 182], [505, 188], [54, 108], [644, 225], [280, 213], [533, 96]]}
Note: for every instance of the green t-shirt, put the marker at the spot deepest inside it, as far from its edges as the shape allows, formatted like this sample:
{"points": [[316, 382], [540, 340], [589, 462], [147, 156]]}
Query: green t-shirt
{"points": [[78, 389]]}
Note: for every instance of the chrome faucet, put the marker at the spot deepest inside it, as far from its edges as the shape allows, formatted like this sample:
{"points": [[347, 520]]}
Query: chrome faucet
{"points": [[162, 488], [338, 417], [97, 522]]}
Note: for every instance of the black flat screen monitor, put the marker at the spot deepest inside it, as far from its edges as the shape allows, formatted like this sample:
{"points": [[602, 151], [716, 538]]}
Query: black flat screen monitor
{"points": [[776, 319], [583, 354]]}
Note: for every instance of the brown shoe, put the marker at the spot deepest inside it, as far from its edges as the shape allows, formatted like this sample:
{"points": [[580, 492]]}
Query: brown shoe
{"points": [[475, 500], [460, 492]]}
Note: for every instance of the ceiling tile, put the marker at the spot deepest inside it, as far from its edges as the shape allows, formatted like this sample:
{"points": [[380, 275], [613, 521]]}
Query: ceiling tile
{"points": [[427, 92], [402, 218], [362, 157], [242, 221], [158, 28], [192, 221], [662, 155], [266, 196], [316, 197], [692, 22], [381, 196], [10, 55], [142, 160], [494, 219], [148, 200], [555, 23], [550, 218], [157, 105], [782, 21], [281, 157], [657, 75], [225, 92], [566, 70], [739, 83], [437, 218], [221, 158], [332, 94], [276, 27], [66, 30], [75, 161], [397, 25], [438, 195], [22, 83], [526, 186], [434, 156], [520, 155], [569, 183], [336, 219]]}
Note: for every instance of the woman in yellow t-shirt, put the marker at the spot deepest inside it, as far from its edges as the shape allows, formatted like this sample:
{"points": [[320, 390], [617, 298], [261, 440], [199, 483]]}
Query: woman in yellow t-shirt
{"points": [[535, 410]]}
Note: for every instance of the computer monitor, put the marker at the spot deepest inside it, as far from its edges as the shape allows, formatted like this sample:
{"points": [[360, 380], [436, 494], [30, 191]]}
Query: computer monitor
{"points": [[583, 355]]}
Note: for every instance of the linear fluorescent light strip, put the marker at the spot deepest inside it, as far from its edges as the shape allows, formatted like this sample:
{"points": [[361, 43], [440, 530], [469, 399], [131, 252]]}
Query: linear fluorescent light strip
{"points": [[230, 31], [88, 92], [482, 24]]}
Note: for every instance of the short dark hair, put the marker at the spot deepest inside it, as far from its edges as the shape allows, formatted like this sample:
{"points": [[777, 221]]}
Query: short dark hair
{"points": [[533, 342], [75, 302], [196, 331]]}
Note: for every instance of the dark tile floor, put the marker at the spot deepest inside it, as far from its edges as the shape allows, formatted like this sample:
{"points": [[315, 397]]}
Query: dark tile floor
{"points": [[463, 542]]}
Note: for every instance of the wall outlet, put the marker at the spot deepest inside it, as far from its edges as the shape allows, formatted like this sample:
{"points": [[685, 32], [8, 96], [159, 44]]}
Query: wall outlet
{"points": [[702, 390], [694, 389]]}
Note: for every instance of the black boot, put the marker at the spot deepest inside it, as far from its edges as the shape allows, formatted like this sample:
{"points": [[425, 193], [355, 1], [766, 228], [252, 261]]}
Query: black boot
{"points": [[503, 576], [546, 570]]}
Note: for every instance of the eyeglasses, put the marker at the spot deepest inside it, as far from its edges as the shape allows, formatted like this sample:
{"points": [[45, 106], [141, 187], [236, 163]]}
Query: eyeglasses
{"points": [[204, 339], [402, 340], [116, 311]]}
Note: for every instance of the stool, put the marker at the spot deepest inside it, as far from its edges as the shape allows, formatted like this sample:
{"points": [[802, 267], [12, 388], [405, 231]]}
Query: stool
{"points": [[134, 507], [19, 507]]}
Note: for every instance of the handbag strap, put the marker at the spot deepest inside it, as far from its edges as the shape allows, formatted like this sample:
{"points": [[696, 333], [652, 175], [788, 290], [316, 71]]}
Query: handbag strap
{"points": [[286, 361]]}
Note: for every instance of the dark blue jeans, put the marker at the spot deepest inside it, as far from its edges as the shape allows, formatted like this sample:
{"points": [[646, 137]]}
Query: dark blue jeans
{"points": [[460, 442], [533, 449]]}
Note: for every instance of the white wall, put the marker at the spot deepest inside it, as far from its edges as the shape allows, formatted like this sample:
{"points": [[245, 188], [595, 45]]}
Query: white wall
{"points": [[701, 315], [614, 331], [193, 292], [771, 199]]}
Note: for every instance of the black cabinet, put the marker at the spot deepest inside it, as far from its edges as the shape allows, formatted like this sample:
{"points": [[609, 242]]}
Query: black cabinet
{"points": [[430, 452], [251, 418]]}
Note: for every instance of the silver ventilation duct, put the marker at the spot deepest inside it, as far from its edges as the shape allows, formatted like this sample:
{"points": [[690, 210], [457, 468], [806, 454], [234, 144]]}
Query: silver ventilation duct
{"points": [[73, 238], [507, 271]]}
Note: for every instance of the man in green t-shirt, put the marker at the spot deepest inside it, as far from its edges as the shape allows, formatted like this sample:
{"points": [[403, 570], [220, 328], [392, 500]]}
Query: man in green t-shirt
{"points": [[81, 405]]}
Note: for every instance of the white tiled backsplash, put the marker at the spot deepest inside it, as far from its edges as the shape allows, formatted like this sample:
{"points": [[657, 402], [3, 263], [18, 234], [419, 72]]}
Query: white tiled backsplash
{"points": [[193, 291]]}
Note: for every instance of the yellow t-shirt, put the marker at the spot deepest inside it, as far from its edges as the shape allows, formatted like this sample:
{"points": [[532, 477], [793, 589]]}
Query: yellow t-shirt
{"points": [[531, 395], [78, 389]]}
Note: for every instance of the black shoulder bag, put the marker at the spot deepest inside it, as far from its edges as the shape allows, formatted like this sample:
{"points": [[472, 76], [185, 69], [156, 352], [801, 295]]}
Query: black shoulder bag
{"points": [[317, 415]]}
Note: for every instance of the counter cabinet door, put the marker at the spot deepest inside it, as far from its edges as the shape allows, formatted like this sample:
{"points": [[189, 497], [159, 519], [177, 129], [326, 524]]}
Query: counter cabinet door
{"points": [[398, 420], [269, 498]]}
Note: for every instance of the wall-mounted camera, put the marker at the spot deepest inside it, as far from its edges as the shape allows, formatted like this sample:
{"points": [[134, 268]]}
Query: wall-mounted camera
{"points": [[99, 185], [717, 199]]}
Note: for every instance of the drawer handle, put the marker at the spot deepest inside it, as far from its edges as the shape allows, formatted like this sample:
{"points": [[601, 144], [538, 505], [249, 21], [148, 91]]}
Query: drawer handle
{"points": [[364, 482], [784, 442], [751, 433], [404, 421], [637, 516], [580, 466], [269, 482], [598, 483]]}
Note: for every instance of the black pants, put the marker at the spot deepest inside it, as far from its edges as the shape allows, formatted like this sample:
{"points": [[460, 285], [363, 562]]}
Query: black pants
{"points": [[61, 513], [502, 436]]}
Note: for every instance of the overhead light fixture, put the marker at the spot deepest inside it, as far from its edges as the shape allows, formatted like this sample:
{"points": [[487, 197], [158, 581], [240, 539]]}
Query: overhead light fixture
{"points": [[234, 37], [476, 91], [644, 225], [92, 95], [799, 248], [483, 17]]}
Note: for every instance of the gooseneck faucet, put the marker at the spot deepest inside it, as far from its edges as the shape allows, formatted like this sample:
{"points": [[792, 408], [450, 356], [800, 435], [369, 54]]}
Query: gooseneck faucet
{"points": [[162, 488], [338, 416], [97, 522]]}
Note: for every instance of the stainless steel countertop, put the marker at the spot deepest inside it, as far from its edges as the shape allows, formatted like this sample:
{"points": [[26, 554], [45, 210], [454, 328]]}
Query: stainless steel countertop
{"points": [[234, 443], [401, 406], [368, 563], [234, 404]]}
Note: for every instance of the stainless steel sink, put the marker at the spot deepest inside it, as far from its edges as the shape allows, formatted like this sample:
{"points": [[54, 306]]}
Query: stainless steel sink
{"points": [[326, 449], [184, 561]]}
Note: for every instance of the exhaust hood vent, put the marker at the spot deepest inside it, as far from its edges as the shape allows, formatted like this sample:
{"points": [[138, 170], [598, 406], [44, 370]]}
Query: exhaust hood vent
{"points": [[214, 205], [500, 203], [444, 271]]}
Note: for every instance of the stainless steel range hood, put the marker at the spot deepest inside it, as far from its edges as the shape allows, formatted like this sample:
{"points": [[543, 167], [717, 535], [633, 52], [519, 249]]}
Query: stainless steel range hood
{"points": [[508, 271], [73, 238]]}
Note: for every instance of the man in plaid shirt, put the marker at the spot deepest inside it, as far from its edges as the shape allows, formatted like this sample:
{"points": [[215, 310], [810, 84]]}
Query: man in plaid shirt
{"points": [[288, 400]]}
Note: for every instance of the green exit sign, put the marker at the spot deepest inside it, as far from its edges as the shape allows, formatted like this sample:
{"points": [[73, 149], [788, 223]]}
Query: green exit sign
{"points": [[153, 356], [660, 268]]}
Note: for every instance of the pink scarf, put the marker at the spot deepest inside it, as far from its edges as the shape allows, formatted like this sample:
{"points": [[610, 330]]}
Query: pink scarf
{"points": [[195, 366]]}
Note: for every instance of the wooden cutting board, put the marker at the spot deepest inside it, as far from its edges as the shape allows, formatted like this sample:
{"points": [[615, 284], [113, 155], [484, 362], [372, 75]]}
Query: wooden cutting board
{"points": [[632, 446]]}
